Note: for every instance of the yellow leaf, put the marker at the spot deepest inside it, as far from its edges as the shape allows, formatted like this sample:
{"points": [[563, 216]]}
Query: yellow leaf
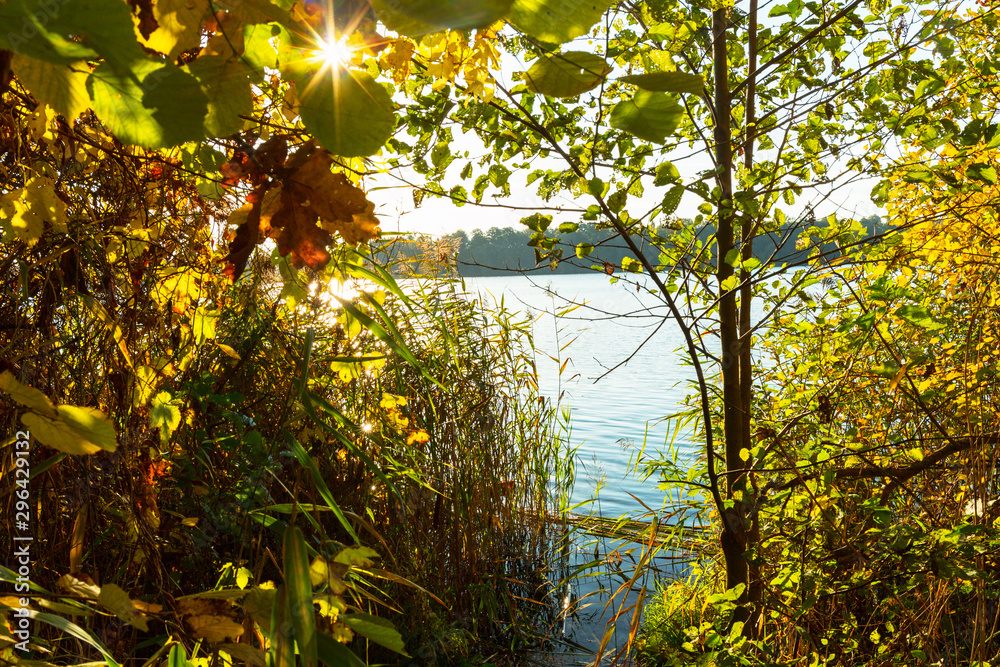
{"points": [[245, 653], [164, 415], [318, 571], [79, 587], [178, 286], [243, 577], [115, 600], [143, 385], [62, 87], [341, 633], [203, 323], [78, 540], [330, 605], [24, 212], [332, 573], [899, 376], [98, 310], [228, 351], [74, 431], [357, 556], [90, 423], [212, 620], [179, 26], [27, 396]]}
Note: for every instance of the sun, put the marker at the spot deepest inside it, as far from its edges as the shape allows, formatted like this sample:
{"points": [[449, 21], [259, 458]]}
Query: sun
{"points": [[335, 54]]}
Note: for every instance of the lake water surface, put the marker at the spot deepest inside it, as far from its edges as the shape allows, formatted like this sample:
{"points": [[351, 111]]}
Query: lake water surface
{"points": [[626, 372]]}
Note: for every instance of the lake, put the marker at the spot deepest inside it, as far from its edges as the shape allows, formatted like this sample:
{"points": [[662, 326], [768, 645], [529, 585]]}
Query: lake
{"points": [[625, 373]]}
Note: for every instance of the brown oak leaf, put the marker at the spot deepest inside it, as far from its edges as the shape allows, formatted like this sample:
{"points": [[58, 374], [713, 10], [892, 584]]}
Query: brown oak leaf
{"points": [[272, 153], [342, 206], [247, 219], [300, 238], [301, 212]]}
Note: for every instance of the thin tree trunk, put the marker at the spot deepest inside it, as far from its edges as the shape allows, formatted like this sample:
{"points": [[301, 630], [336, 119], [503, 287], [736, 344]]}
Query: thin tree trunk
{"points": [[755, 590], [734, 533]]}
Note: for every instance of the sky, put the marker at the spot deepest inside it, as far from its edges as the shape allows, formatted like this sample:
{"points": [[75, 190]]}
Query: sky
{"points": [[439, 216]]}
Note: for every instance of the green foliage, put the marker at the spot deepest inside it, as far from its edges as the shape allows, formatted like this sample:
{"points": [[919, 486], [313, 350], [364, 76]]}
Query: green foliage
{"points": [[566, 74], [355, 121], [852, 482], [649, 116]]}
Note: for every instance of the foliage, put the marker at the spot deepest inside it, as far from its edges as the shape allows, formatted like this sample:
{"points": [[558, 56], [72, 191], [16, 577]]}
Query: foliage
{"points": [[246, 435], [162, 160]]}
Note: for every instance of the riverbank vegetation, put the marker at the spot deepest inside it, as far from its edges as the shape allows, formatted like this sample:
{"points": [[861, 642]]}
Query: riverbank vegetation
{"points": [[215, 454]]}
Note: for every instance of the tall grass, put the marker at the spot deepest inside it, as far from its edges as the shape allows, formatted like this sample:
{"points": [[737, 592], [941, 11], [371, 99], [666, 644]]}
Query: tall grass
{"points": [[471, 526], [423, 426]]}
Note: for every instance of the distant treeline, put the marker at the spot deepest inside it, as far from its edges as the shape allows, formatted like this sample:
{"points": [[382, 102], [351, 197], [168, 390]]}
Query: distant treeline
{"points": [[505, 249]]}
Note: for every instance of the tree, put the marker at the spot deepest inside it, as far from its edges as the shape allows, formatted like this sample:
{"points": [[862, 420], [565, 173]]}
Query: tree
{"points": [[786, 107]]}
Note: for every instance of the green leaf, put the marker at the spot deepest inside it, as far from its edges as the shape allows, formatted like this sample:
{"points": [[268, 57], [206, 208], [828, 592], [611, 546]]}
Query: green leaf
{"points": [[282, 643], [68, 32], [154, 104], [419, 17], [298, 589], [649, 116], [258, 49], [324, 491], [566, 74], [347, 111], [919, 316], [584, 249], [666, 172], [595, 187], [556, 21], [335, 654], [672, 200], [74, 630], [378, 630], [62, 87], [886, 369], [177, 656], [164, 415], [568, 227], [982, 172], [537, 222], [666, 82], [226, 84]]}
